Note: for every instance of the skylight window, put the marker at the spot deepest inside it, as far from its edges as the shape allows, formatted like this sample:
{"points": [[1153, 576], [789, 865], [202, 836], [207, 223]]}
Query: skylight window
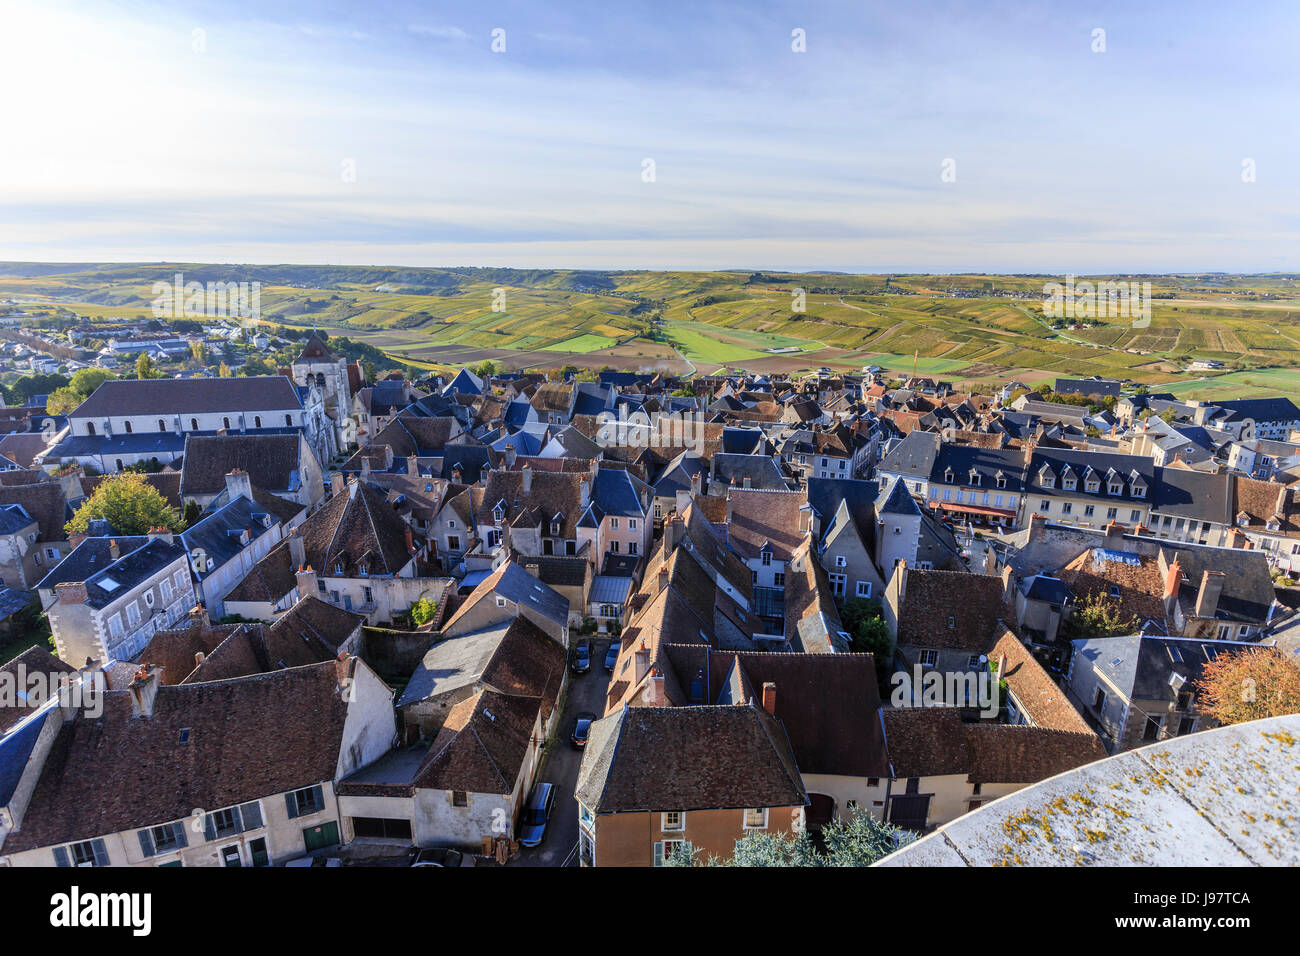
{"points": [[109, 585]]}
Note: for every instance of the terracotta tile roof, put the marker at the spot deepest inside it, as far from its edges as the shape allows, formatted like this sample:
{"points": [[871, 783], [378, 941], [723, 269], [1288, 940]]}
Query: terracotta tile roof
{"points": [[925, 741], [248, 739], [353, 528], [1045, 703], [1003, 753], [1141, 586], [953, 610], [689, 758], [773, 518], [482, 745], [175, 650], [45, 502], [269, 580]]}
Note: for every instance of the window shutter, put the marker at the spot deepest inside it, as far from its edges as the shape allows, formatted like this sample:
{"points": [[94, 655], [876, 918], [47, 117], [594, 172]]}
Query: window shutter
{"points": [[238, 818], [659, 854], [61, 856], [179, 830], [209, 828], [318, 798], [252, 814], [146, 842], [101, 852], [291, 804]]}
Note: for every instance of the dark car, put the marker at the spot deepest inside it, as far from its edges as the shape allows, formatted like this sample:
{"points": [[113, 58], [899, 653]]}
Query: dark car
{"points": [[611, 656], [532, 825], [581, 662], [582, 729], [438, 856]]}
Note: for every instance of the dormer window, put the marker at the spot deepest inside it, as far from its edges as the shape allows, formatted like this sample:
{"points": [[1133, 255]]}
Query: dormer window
{"points": [[1139, 491], [555, 527], [947, 476], [497, 514], [1093, 485], [1243, 519], [1273, 524], [1115, 488], [1069, 484], [1046, 479], [338, 567], [1001, 480], [974, 477]]}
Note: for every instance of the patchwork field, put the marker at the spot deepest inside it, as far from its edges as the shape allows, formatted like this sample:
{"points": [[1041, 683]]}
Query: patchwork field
{"points": [[966, 328]]}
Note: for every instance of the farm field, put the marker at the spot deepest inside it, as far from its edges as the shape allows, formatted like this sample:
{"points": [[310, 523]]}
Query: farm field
{"points": [[964, 327]]}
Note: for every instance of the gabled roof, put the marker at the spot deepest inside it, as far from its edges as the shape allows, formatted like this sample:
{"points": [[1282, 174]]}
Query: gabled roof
{"points": [[248, 739], [688, 758], [352, 525], [176, 396], [272, 462]]}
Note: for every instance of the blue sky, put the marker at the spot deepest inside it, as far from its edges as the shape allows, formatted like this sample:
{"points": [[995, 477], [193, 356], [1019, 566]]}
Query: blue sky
{"points": [[391, 133]]}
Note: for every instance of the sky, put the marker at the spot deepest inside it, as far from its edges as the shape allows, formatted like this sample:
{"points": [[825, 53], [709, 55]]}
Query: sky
{"points": [[902, 137]]}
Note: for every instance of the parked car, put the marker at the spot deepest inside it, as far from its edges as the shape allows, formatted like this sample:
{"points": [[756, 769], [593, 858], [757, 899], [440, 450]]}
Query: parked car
{"points": [[581, 662], [611, 656], [438, 856], [532, 826], [582, 729]]}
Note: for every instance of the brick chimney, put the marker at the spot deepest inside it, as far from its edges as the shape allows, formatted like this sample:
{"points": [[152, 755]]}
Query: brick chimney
{"points": [[336, 483], [1115, 536], [144, 689], [1207, 598], [160, 534], [70, 592], [344, 666], [413, 466], [75, 539], [584, 492], [526, 478], [1173, 579], [769, 697], [697, 483], [900, 574], [239, 485], [674, 529], [511, 456], [114, 552], [410, 540], [199, 616], [365, 465], [655, 689]]}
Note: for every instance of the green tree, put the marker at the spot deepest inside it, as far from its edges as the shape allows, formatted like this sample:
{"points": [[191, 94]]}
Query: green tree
{"points": [[145, 368], [79, 388], [127, 502], [1098, 616], [422, 611], [486, 369], [223, 370], [199, 351], [860, 840], [192, 513]]}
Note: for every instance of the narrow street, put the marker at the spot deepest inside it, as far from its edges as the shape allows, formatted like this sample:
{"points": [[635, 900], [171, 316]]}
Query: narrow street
{"points": [[560, 765]]}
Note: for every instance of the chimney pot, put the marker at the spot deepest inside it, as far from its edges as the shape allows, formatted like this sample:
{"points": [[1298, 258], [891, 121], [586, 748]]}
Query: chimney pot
{"points": [[769, 697]]}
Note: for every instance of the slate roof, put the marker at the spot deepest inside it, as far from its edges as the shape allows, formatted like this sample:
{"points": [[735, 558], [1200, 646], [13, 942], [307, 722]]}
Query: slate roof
{"points": [[271, 462], [122, 397], [92, 562]]}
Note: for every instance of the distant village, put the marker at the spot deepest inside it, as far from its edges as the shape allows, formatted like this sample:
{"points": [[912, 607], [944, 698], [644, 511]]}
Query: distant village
{"points": [[596, 619]]}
